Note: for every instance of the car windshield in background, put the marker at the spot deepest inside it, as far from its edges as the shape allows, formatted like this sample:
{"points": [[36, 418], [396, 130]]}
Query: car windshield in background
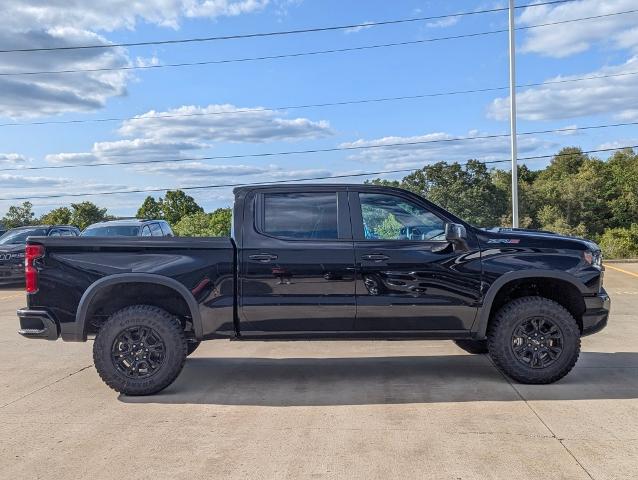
{"points": [[20, 236], [119, 231]]}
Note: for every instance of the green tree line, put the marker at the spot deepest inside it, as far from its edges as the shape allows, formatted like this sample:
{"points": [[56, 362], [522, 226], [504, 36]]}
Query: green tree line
{"points": [[576, 194]]}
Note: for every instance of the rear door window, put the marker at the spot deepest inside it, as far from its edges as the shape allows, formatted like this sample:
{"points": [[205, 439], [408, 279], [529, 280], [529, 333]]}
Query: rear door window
{"points": [[156, 231], [301, 216]]}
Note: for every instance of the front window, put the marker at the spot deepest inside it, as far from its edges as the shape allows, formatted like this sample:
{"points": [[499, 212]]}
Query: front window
{"points": [[112, 231], [389, 217], [16, 237], [301, 216]]}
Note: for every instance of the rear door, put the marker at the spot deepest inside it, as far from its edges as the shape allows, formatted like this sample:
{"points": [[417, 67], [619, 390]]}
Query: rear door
{"points": [[297, 262], [409, 278]]}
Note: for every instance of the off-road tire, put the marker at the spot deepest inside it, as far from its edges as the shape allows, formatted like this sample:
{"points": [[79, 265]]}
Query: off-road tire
{"points": [[191, 346], [165, 325], [509, 317], [475, 347]]}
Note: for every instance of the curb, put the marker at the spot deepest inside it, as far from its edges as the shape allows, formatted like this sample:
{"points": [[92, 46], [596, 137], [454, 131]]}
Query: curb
{"points": [[620, 260]]}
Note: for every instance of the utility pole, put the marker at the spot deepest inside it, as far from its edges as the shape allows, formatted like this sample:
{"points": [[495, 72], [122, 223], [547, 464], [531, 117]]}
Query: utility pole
{"points": [[513, 117]]}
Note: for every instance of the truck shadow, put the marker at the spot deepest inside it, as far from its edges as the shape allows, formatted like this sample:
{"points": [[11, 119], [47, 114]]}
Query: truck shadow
{"points": [[386, 380]]}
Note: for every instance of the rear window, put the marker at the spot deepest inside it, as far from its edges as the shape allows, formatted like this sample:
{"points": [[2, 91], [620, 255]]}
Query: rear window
{"points": [[112, 231], [301, 215], [14, 237]]}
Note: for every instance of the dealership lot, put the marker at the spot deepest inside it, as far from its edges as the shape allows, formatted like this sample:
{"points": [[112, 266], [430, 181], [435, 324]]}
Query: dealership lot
{"points": [[324, 410]]}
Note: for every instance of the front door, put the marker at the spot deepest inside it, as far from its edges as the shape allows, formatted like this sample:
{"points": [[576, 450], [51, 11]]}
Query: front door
{"points": [[297, 265], [408, 277]]}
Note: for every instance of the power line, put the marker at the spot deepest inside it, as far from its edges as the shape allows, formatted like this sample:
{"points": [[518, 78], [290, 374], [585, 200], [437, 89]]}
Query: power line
{"points": [[316, 150], [316, 105], [278, 33], [325, 177], [303, 54]]}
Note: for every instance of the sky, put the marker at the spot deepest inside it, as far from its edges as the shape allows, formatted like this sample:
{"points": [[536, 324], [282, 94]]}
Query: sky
{"points": [[191, 112]]}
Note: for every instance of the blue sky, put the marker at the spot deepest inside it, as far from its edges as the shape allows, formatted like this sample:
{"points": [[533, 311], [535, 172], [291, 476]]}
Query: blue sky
{"points": [[588, 48]]}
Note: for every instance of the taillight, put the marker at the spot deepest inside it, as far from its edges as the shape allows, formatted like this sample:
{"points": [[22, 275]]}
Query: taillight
{"points": [[30, 272]]}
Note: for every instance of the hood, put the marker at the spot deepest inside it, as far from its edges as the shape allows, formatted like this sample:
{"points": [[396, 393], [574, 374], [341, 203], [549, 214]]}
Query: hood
{"points": [[513, 236]]}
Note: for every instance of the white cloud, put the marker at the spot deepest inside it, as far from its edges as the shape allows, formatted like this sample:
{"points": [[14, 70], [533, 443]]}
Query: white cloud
{"points": [[12, 160], [35, 95], [443, 22], [453, 151], [63, 23], [559, 41], [358, 28], [110, 15], [19, 181], [191, 171], [159, 136], [217, 123], [617, 95]]}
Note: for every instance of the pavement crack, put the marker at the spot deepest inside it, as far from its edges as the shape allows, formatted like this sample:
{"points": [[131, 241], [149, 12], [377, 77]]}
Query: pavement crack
{"points": [[46, 386], [553, 435]]}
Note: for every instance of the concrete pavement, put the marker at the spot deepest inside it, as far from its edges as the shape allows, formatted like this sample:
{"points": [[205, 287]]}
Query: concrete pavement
{"points": [[355, 410]]}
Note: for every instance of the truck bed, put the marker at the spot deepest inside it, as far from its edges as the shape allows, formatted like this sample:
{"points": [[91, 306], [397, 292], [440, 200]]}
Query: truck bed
{"points": [[204, 267]]}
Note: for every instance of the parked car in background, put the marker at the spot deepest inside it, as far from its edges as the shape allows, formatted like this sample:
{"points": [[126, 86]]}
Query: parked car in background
{"points": [[129, 228], [13, 242]]}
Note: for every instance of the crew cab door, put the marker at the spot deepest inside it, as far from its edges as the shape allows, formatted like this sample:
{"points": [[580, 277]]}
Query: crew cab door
{"points": [[408, 277], [297, 262]]}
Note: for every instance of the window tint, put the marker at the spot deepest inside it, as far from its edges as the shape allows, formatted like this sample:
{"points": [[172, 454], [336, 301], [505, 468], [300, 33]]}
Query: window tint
{"points": [[301, 215], [387, 217], [55, 233], [146, 232], [156, 231], [111, 231], [68, 233], [166, 230]]}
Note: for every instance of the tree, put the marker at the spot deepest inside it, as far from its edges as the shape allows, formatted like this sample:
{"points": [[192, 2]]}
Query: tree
{"points": [[19, 215], [150, 209], [200, 224], [57, 216], [220, 222], [177, 205], [87, 213], [465, 190]]}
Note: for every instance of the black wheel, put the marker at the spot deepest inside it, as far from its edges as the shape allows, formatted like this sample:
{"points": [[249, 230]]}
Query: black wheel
{"points": [[474, 347], [534, 340], [140, 350], [191, 346]]}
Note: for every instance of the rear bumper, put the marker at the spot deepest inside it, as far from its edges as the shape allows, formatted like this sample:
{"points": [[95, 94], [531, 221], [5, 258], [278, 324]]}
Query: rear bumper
{"points": [[37, 324], [596, 313]]}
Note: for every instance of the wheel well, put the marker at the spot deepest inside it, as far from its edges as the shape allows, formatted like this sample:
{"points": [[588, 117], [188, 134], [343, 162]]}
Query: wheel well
{"points": [[560, 291], [112, 298]]}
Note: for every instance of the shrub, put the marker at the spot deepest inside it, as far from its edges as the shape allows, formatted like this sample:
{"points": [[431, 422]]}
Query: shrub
{"points": [[620, 242]]}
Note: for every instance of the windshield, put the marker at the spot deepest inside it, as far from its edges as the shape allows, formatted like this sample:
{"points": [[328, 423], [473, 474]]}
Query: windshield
{"points": [[14, 237], [112, 231]]}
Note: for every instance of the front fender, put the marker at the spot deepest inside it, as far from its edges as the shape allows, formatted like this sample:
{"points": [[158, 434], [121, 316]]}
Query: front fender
{"points": [[479, 328]]}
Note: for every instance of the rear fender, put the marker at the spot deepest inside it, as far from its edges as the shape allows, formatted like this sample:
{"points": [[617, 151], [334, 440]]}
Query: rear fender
{"points": [[77, 330]]}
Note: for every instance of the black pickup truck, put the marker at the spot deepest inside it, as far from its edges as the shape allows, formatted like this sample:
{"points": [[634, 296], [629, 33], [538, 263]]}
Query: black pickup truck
{"points": [[318, 262]]}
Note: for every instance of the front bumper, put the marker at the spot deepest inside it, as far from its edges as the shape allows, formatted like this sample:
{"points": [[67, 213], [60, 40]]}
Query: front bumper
{"points": [[37, 324], [596, 312]]}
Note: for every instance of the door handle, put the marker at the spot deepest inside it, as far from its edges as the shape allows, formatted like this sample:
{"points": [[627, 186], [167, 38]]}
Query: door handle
{"points": [[375, 257], [263, 257]]}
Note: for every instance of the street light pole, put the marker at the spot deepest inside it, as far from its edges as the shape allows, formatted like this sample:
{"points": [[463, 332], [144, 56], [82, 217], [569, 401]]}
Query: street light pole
{"points": [[513, 116]]}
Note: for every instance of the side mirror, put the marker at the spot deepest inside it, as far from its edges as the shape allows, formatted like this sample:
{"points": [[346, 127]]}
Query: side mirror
{"points": [[455, 232]]}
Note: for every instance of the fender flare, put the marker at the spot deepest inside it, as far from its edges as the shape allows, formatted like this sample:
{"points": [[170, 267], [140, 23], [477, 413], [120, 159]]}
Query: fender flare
{"points": [[78, 332], [480, 325]]}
